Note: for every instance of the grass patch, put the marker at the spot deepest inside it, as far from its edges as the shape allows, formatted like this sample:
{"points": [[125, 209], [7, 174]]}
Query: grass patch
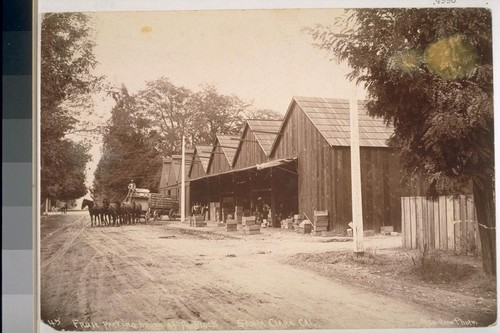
{"points": [[434, 268]]}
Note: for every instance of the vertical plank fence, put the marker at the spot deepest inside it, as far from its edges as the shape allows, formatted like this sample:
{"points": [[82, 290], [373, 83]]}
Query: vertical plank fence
{"points": [[447, 223]]}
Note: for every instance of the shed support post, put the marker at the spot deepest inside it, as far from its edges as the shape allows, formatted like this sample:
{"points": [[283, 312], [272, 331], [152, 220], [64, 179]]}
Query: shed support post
{"points": [[273, 199], [357, 202], [183, 183], [221, 202]]}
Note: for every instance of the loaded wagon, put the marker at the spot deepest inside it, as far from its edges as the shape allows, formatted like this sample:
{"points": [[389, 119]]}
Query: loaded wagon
{"points": [[141, 196], [163, 205]]}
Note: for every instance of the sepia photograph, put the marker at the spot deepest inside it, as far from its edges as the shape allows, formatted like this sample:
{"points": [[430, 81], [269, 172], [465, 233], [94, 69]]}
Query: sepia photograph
{"points": [[266, 169]]}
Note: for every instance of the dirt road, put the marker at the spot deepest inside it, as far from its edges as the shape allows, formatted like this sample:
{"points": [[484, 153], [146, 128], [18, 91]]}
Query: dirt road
{"points": [[157, 277]]}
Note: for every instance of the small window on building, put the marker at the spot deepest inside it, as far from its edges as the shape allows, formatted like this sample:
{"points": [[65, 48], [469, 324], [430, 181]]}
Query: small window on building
{"points": [[169, 192]]}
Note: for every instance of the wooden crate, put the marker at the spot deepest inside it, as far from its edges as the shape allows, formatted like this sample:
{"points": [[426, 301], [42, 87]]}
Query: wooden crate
{"points": [[305, 227], [231, 225], [299, 217], [305, 230], [287, 224], [238, 213], [248, 220], [197, 221], [321, 220], [368, 233], [251, 229], [386, 230]]}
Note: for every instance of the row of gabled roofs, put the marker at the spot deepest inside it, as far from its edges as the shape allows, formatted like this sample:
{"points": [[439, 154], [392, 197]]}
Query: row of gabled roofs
{"points": [[329, 116]]}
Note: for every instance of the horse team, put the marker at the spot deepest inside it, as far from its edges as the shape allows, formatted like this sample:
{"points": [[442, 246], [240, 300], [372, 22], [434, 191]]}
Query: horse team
{"points": [[112, 213]]}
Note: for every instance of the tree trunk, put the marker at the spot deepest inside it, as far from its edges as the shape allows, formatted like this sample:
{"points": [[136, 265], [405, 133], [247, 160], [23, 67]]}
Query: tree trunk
{"points": [[484, 199]]}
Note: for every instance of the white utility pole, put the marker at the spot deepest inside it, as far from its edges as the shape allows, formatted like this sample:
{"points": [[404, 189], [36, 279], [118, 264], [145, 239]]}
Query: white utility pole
{"points": [[357, 202], [183, 183]]}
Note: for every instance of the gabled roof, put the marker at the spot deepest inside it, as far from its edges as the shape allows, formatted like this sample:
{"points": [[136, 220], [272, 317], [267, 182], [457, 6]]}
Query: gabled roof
{"points": [[187, 164], [230, 141], [177, 161], [165, 171], [175, 168], [331, 117], [204, 153], [265, 140]]}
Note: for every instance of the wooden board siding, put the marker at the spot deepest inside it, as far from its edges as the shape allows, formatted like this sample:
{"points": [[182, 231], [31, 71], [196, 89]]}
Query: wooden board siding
{"points": [[447, 223], [165, 171], [200, 160], [250, 152], [173, 175], [324, 180], [219, 162], [196, 169]]}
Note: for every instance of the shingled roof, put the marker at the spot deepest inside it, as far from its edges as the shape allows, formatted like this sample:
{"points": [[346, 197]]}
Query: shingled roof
{"points": [[331, 118], [204, 153], [228, 141], [265, 140]]}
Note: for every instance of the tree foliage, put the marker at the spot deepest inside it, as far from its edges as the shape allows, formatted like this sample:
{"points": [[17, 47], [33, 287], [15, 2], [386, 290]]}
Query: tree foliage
{"points": [[175, 111], [149, 124], [129, 151], [266, 114], [429, 73], [65, 179], [67, 62]]}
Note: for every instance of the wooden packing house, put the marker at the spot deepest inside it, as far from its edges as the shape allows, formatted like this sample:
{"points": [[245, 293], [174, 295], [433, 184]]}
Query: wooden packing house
{"points": [[211, 187], [316, 132], [301, 164], [170, 179]]}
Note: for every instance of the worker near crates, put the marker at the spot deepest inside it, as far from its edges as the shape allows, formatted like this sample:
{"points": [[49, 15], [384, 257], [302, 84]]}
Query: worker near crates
{"points": [[262, 212]]}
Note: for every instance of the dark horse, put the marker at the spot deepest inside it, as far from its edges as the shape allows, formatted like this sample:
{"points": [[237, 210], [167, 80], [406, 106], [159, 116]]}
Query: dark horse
{"points": [[130, 211], [96, 211], [113, 211]]}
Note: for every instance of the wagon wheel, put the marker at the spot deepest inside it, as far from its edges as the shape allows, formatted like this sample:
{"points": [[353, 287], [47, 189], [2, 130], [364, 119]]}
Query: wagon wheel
{"points": [[155, 215], [146, 217], [171, 214]]}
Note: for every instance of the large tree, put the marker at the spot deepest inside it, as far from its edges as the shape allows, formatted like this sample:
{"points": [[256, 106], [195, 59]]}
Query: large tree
{"points": [[67, 80], [175, 111], [130, 151], [429, 73], [217, 113]]}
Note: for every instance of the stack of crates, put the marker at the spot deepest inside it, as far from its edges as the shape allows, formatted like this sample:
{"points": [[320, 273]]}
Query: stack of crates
{"points": [[197, 221], [238, 214], [297, 219], [231, 225], [287, 224], [320, 222], [304, 227], [249, 225]]}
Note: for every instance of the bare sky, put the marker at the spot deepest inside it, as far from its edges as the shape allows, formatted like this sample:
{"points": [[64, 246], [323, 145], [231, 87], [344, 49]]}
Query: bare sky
{"points": [[259, 55]]}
